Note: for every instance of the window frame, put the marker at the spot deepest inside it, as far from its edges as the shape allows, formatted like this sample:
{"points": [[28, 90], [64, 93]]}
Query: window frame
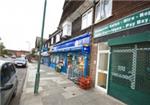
{"points": [[86, 15], [12, 69], [67, 28], [52, 40], [103, 48], [2, 72], [57, 37], [99, 10]]}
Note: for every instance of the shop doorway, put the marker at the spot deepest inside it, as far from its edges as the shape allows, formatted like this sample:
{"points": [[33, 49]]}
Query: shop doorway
{"points": [[129, 78], [75, 66], [102, 67], [63, 61]]}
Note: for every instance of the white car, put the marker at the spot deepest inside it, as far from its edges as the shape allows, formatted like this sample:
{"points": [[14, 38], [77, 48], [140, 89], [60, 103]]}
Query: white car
{"points": [[21, 62]]}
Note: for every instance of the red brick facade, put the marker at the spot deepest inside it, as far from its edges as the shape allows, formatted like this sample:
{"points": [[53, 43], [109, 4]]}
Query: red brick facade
{"points": [[93, 62], [120, 9]]}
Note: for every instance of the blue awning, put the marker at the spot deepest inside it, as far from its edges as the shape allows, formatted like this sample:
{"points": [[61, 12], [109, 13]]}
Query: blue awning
{"points": [[73, 44]]}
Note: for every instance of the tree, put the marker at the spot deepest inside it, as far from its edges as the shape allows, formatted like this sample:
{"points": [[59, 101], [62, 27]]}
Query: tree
{"points": [[5, 52], [33, 52], [2, 47]]}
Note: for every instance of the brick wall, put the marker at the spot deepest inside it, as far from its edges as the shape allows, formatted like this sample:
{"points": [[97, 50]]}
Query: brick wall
{"points": [[124, 8], [93, 62]]}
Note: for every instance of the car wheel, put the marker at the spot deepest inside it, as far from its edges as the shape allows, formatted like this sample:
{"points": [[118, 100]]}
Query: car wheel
{"points": [[25, 66]]}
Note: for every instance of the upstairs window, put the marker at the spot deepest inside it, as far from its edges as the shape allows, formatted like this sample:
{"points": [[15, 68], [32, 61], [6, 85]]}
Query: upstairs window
{"points": [[87, 19], [67, 28], [58, 37], [103, 10], [46, 45], [52, 40], [49, 44]]}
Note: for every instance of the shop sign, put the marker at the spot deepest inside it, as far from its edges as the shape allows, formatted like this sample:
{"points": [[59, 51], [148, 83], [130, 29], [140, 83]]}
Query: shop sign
{"points": [[81, 42], [86, 49], [45, 53], [44, 49], [69, 44], [72, 44], [135, 20], [123, 74]]}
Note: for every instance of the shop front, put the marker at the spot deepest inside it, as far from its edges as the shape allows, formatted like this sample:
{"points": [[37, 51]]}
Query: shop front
{"points": [[72, 56], [53, 60], [45, 58], [58, 59], [123, 58], [130, 69]]}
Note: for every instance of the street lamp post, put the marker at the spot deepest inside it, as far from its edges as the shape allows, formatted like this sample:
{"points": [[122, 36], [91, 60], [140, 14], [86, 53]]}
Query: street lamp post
{"points": [[37, 79]]}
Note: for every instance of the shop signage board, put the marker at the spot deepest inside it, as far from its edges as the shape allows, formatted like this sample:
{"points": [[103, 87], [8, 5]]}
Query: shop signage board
{"points": [[45, 49], [132, 21], [73, 44], [86, 49]]}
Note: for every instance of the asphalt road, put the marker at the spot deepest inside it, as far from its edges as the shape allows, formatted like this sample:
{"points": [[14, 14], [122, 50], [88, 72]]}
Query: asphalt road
{"points": [[21, 73]]}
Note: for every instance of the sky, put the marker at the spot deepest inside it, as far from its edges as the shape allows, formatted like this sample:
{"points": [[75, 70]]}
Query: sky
{"points": [[21, 21]]}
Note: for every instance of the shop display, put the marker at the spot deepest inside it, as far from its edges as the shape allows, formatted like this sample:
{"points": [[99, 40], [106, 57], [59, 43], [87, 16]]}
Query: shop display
{"points": [[75, 67], [81, 63], [74, 53], [59, 65], [69, 66]]}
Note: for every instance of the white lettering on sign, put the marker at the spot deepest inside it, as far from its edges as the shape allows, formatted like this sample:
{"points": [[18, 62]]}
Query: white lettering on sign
{"points": [[121, 68], [121, 76], [135, 20], [81, 42], [127, 73]]}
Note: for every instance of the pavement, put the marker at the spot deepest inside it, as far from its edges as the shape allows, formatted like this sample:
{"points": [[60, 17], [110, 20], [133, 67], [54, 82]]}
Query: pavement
{"points": [[56, 89]]}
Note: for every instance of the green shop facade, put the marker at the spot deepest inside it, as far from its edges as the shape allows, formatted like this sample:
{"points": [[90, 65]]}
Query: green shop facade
{"points": [[123, 58]]}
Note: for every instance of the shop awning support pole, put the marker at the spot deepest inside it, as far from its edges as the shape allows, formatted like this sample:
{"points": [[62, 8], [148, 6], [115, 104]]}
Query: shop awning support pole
{"points": [[85, 65], [37, 79]]}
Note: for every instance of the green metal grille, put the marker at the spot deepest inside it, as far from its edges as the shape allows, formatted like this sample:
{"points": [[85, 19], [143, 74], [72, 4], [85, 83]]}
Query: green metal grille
{"points": [[130, 73]]}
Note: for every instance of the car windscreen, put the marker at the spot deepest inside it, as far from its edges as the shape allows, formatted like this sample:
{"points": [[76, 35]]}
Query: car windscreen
{"points": [[20, 59]]}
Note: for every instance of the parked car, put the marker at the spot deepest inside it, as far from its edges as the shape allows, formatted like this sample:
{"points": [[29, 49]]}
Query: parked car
{"points": [[9, 82], [21, 62]]}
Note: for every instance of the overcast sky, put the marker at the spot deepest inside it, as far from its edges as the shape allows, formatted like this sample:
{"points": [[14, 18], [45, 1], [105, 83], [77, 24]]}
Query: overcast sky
{"points": [[21, 21]]}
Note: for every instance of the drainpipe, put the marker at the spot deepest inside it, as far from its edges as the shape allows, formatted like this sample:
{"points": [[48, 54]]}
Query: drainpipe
{"points": [[92, 39], [85, 65], [92, 33]]}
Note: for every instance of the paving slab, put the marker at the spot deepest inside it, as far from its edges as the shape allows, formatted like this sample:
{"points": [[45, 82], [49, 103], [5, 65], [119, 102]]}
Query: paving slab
{"points": [[56, 89], [30, 99]]}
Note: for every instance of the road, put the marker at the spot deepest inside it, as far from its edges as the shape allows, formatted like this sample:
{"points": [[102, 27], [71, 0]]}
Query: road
{"points": [[21, 73]]}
